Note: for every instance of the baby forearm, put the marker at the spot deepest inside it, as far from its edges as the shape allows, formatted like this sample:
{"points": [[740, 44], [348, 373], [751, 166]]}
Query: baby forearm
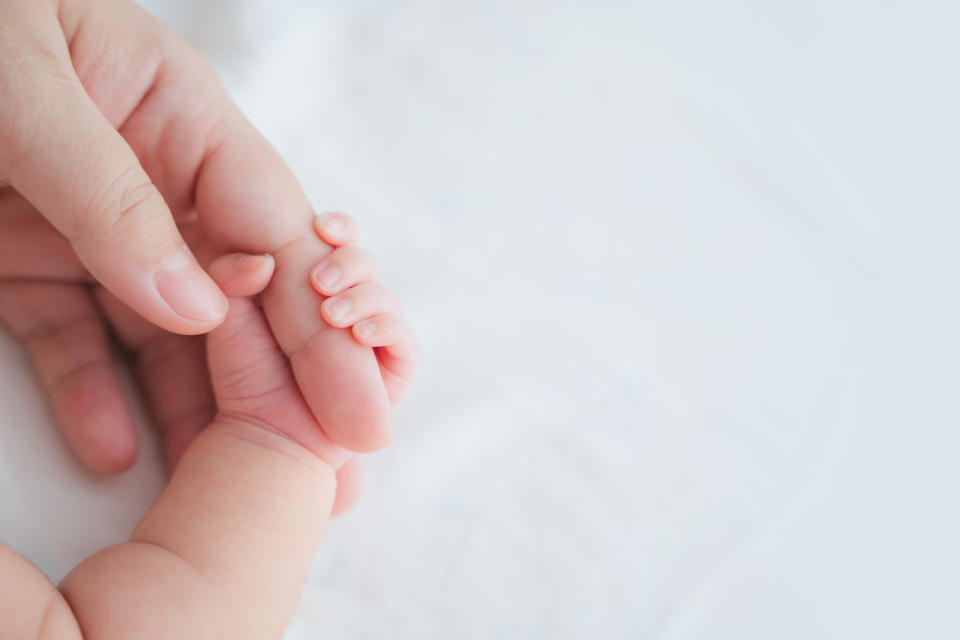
{"points": [[222, 553]]}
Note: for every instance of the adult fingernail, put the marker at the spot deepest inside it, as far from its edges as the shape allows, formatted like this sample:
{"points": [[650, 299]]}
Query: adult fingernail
{"points": [[366, 328], [338, 308], [327, 276], [189, 290]]}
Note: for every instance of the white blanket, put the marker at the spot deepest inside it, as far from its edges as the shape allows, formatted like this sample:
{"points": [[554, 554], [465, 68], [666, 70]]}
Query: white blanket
{"points": [[685, 279]]}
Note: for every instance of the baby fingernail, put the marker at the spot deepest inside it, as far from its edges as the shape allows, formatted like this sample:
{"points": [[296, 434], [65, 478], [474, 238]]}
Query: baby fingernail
{"points": [[327, 276], [331, 223], [338, 308], [252, 262], [366, 328]]}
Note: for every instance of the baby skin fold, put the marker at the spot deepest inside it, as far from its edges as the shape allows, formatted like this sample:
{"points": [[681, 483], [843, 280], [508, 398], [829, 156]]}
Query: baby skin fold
{"points": [[242, 210], [225, 549]]}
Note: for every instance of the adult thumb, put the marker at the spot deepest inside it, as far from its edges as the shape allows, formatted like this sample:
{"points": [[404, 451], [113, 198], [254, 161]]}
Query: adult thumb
{"points": [[68, 161]]}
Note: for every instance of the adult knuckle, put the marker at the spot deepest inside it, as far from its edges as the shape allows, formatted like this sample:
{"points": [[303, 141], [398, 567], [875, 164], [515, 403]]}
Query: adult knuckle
{"points": [[55, 329], [136, 198], [126, 193], [78, 370]]}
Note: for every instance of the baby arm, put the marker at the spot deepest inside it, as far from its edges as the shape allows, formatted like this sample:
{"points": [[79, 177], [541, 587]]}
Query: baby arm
{"points": [[224, 550]]}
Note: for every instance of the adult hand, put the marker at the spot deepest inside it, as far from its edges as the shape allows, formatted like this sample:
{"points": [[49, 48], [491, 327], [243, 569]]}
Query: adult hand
{"points": [[51, 303], [60, 149], [114, 128]]}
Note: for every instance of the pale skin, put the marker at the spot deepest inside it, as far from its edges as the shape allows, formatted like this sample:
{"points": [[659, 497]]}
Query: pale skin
{"points": [[136, 199], [48, 305], [224, 550], [119, 134]]}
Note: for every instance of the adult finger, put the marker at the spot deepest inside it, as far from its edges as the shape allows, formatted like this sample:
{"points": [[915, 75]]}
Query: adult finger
{"points": [[65, 337], [67, 160], [173, 374], [31, 248]]}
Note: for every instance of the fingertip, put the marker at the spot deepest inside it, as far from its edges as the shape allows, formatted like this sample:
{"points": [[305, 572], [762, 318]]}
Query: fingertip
{"points": [[329, 224], [191, 293], [109, 456], [336, 311], [325, 277], [257, 271], [99, 429], [249, 263], [242, 274], [385, 329], [335, 228], [398, 349], [365, 330], [113, 461]]}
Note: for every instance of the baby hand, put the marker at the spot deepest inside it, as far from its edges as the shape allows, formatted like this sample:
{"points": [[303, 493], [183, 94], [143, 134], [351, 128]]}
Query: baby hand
{"points": [[351, 277], [225, 549]]}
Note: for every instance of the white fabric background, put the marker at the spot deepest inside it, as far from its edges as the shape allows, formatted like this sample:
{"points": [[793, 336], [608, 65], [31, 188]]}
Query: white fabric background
{"points": [[684, 275]]}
